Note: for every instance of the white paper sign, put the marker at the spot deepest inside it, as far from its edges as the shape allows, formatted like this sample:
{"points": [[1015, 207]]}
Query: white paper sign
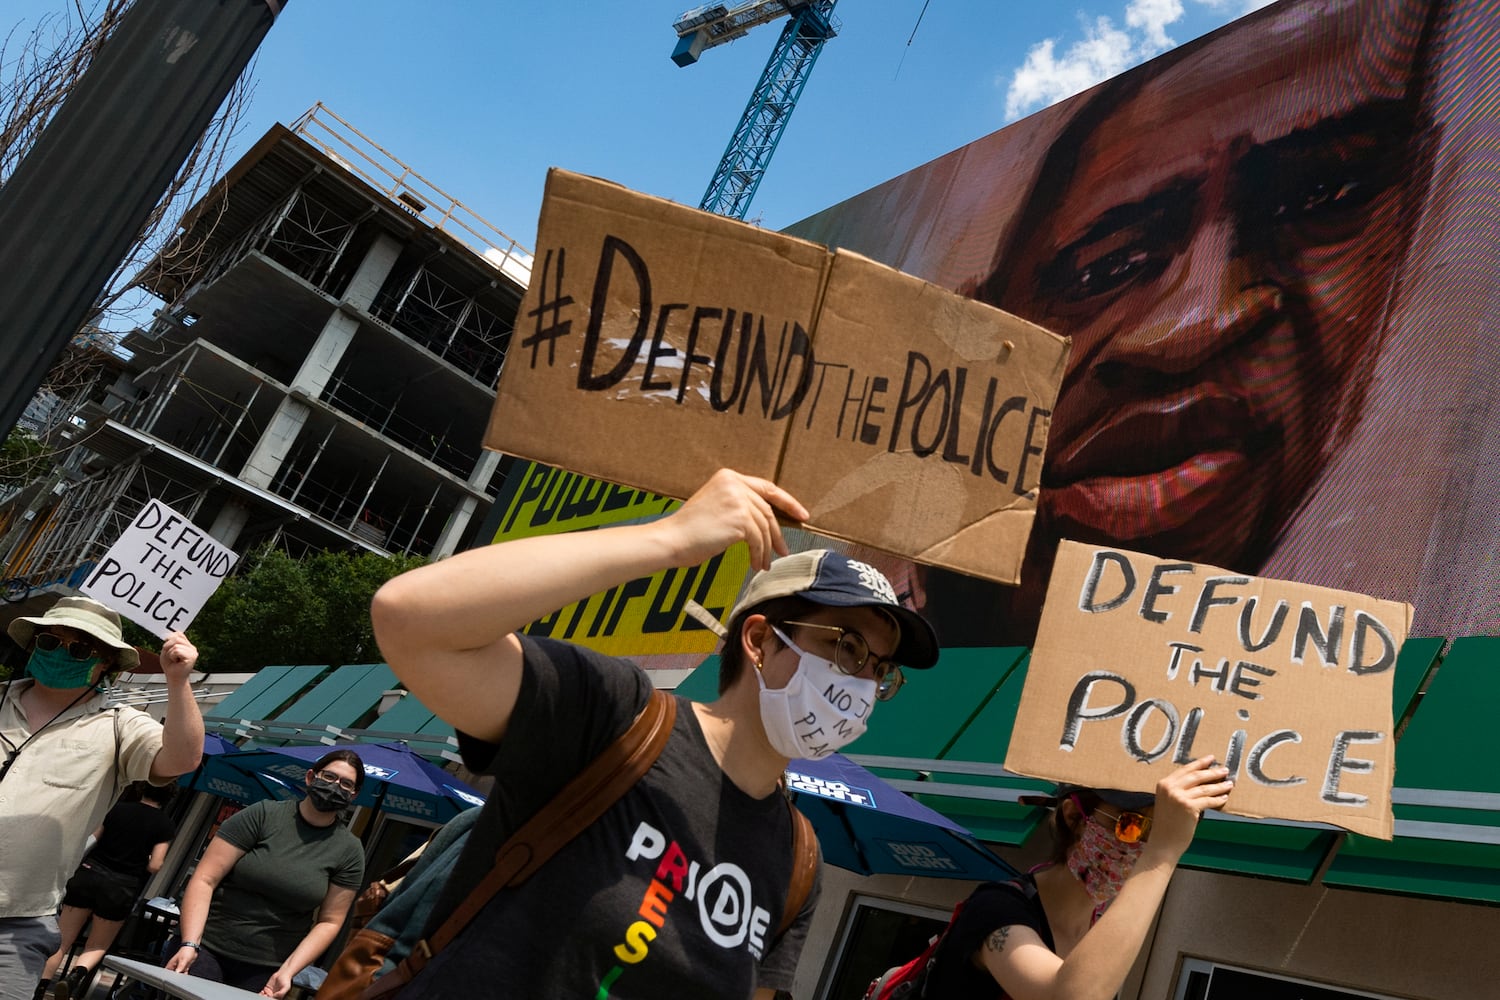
{"points": [[160, 571]]}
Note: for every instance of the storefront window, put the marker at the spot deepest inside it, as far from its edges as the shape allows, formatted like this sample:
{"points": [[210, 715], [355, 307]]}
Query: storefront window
{"points": [[1203, 980], [877, 934]]}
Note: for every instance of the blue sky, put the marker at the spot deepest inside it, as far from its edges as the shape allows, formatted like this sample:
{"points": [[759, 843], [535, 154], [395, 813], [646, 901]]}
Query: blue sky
{"points": [[482, 96]]}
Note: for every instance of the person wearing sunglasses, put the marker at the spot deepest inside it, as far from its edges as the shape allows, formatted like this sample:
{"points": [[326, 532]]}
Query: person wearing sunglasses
{"points": [[274, 885], [1072, 927], [65, 756], [678, 890]]}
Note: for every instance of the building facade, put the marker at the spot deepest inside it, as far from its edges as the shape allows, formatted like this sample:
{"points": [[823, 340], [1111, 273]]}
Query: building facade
{"points": [[319, 376]]}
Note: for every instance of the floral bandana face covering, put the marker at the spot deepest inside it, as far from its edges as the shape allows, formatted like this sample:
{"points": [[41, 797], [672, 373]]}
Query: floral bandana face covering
{"points": [[820, 710], [1101, 862]]}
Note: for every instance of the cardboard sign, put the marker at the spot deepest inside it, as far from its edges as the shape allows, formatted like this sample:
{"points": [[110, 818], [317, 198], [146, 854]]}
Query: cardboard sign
{"points": [[1141, 665], [658, 343], [160, 570]]}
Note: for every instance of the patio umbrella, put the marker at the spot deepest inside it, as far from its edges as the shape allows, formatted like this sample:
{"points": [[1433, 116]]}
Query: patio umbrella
{"points": [[231, 783], [866, 826], [398, 781]]}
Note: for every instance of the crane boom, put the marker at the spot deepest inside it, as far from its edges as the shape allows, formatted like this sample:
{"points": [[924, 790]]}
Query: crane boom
{"points": [[716, 23], [775, 95]]}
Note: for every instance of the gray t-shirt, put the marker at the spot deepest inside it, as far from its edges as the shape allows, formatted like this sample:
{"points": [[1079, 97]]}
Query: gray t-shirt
{"points": [[676, 891], [267, 903]]}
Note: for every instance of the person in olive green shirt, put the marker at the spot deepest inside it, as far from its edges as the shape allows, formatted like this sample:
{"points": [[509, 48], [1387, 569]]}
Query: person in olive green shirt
{"points": [[274, 885]]}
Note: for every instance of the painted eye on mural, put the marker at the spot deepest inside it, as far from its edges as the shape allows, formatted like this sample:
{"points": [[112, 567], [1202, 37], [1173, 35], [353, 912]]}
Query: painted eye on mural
{"points": [[1109, 271], [1322, 185], [1107, 263], [1123, 247]]}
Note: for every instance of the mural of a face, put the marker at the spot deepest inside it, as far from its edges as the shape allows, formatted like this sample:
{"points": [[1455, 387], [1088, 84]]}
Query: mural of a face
{"points": [[1222, 238]]}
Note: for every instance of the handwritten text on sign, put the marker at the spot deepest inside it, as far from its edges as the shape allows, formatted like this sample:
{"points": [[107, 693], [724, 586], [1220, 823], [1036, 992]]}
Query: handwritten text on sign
{"points": [[1142, 665], [160, 571], [767, 365], [657, 343]]}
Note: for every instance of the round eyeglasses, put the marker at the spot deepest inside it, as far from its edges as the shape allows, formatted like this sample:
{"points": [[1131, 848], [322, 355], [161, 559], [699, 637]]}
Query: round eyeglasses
{"points": [[78, 649], [851, 652], [346, 784], [1128, 827]]}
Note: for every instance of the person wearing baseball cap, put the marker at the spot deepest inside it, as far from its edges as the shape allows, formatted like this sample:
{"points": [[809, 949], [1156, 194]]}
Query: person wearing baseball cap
{"points": [[677, 890], [65, 755]]}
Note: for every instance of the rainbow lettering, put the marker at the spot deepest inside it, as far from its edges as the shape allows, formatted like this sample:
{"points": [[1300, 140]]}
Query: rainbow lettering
{"points": [[725, 909]]}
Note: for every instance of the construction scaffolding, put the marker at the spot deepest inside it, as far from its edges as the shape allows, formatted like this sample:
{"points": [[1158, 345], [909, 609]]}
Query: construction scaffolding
{"points": [[320, 375]]}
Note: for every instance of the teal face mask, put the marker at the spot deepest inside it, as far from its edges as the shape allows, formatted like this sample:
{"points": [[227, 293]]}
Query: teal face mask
{"points": [[56, 669]]}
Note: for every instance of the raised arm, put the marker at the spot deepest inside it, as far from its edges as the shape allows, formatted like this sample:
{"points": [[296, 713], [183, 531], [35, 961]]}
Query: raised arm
{"points": [[1095, 969], [182, 732], [448, 629]]}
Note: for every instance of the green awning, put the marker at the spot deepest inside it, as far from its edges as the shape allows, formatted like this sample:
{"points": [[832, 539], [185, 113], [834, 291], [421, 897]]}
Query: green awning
{"points": [[702, 684], [1447, 795], [985, 740], [934, 707], [944, 740], [264, 694]]}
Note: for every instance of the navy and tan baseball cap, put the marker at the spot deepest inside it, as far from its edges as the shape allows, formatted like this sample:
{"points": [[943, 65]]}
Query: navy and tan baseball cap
{"points": [[834, 580]]}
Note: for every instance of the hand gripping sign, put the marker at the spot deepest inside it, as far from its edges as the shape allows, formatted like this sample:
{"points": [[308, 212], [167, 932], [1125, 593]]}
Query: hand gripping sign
{"points": [[1143, 664], [160, 570]]}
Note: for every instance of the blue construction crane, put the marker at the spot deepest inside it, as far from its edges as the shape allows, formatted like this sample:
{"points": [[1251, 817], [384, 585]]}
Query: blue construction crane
{"points": [[775, 96]]}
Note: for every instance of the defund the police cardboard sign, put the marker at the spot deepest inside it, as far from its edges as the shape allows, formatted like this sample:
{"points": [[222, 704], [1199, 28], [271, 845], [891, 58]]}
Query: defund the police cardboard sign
{"points": [[657, 343], [1143, 664], [160, 570]]}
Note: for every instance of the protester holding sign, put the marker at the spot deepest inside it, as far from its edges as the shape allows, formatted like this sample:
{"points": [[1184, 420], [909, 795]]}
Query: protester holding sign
{"points": [[274, 885], [66, 756], [678, 888], [1074, 927]]}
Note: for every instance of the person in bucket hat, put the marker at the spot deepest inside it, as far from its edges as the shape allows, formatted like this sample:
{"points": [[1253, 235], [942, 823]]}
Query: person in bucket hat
{"points": [[678, 889], [65, 756]]}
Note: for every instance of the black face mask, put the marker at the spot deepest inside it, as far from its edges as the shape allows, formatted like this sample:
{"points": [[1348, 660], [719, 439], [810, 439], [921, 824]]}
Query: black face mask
{"points": [[329, 796]]}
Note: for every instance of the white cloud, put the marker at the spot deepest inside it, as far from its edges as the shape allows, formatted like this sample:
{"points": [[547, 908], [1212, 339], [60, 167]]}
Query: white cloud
{"points": [[1105, 50], [1046, 79], [1150, 18]]}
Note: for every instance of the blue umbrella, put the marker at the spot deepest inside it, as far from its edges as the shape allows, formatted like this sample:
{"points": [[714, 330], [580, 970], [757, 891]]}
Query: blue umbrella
{"points": [[866, 826], [214, 744], [398, 781], [228, 782]]}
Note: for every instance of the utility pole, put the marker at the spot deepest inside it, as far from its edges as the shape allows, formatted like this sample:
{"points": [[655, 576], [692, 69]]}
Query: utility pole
{"points": [[74, 205]]}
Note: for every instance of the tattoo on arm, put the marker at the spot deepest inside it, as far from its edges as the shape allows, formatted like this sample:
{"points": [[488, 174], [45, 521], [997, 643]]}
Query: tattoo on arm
{"points": [[996, 940]]}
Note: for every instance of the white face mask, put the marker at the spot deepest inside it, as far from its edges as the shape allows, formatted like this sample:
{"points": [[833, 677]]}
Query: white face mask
{"points": [[820, 710]]}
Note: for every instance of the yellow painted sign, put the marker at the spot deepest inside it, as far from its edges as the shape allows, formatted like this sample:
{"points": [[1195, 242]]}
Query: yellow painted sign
{"points": [[642, 617]]}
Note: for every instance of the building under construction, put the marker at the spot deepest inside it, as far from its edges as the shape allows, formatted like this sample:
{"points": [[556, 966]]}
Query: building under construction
{"points": [[319, 377]]}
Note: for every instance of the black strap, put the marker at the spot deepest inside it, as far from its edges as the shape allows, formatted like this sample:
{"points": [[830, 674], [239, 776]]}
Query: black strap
{"points": [[16, 750]]}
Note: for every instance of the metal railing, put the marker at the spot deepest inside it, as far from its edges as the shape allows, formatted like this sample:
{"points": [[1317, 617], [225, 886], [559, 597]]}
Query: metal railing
{"points": [[413, 193]]}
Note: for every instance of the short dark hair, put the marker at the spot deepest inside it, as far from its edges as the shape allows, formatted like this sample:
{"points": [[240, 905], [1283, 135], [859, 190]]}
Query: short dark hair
{"points": [[1063, 835], [779, 609], [348, 757]]}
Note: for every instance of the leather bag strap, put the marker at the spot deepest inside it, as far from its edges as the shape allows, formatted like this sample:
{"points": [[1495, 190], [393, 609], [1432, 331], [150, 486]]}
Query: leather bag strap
{"points": [[804, 868], [572, 810]]}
